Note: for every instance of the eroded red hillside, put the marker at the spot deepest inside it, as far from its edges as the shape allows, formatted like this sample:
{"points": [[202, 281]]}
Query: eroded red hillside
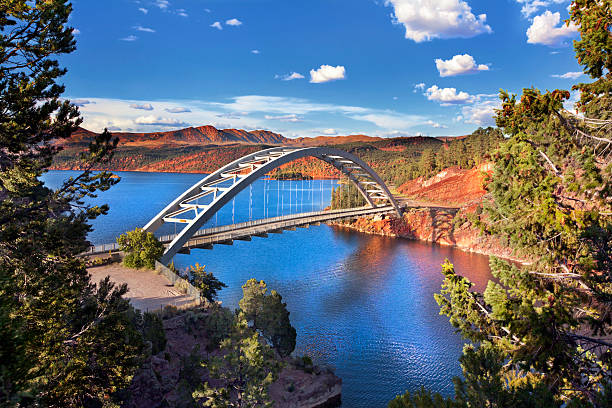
{"points": [[452, 186]]}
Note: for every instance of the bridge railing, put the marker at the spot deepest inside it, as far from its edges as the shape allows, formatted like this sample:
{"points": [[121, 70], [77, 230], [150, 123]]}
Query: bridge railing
{"points": [[272, 220], [250, 229], [100, 249], [178, 282]]}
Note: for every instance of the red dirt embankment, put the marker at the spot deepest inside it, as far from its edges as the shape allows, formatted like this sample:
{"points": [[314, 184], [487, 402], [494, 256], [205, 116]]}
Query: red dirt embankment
{"points": [[452, 186]]}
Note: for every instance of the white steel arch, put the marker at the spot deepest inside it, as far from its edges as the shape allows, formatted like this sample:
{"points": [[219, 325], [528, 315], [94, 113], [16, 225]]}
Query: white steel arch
{"points": [[244, 171]]}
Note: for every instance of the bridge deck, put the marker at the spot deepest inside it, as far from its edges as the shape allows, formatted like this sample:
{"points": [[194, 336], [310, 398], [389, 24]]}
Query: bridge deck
{"points": [[243, 231]]}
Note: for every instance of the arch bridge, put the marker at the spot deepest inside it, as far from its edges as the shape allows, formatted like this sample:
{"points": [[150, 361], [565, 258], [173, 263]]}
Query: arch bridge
{"points": [[220, 187]]}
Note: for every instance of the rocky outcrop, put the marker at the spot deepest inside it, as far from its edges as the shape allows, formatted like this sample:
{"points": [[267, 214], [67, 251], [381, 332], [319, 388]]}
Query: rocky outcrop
{"points": [[168, 378], [440, 226], [296, 388]]}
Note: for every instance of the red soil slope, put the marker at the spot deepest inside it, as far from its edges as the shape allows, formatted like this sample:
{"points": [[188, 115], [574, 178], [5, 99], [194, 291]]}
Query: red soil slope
{"points": [[452, 186]]}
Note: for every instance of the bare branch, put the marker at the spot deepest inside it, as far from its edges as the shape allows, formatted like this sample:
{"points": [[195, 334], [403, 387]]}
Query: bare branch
{"points": [[552, 165]]}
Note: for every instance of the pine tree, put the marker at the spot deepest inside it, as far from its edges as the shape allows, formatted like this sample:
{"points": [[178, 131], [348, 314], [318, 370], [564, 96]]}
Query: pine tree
{"points": [[542, 330], [63, 341], [246, 369], [205, 281], [269, 316]]}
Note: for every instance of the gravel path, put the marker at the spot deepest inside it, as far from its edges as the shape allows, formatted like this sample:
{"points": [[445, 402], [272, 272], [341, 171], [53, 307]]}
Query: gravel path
{"points": [[147, 289]]}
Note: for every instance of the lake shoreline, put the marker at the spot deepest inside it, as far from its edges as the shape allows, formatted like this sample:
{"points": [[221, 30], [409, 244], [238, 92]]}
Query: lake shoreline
{"points": [[433, 226]]}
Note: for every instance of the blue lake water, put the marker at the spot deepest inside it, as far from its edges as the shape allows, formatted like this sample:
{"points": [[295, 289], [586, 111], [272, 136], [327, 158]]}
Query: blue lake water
{"points": [[362, 304]]}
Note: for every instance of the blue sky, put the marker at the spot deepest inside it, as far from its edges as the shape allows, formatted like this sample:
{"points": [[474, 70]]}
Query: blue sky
{"points": [[316, 67]]}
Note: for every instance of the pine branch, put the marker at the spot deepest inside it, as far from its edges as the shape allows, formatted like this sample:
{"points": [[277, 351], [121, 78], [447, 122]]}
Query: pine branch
{"points": [[588, 339], [573, 129]]}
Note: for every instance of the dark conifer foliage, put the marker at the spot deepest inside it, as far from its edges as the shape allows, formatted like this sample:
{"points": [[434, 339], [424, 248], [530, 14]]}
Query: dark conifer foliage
{"points": [[63, 340], [542, 330]]}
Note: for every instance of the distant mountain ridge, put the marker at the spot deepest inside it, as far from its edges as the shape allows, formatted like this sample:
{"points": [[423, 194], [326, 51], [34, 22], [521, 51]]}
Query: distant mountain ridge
{"points": [[200, 135], [205, 135]]}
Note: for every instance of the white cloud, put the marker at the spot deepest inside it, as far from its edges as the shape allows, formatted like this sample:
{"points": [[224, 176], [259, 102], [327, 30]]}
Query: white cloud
{"points": [[574, 98], [234, 22], [425, 20], [217, 25], [329, 132], [568, 75], [285, 115], [419, 87], [282, 105], [144, 106], [162, 4], [76, 31], [256, 52], [289, 77], [178, 110], [385, 119], [285, 118], [391, 120], [532, 6], [182, 12], [144, 29], [129, 38], [143, 10], [81, 102], [481, 113], [448, 96], [232, 115], [152, 120], [327, 73], [544, 30], [436, 125], [112, 113], [207, 10], [458, 65]]}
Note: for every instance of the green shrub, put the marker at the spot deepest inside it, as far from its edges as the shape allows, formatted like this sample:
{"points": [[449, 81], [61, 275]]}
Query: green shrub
{"points": [[153, 331], [182, 285], [218, 325], [169, 311], [194, 320], [205, 282], [141, 249]]}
